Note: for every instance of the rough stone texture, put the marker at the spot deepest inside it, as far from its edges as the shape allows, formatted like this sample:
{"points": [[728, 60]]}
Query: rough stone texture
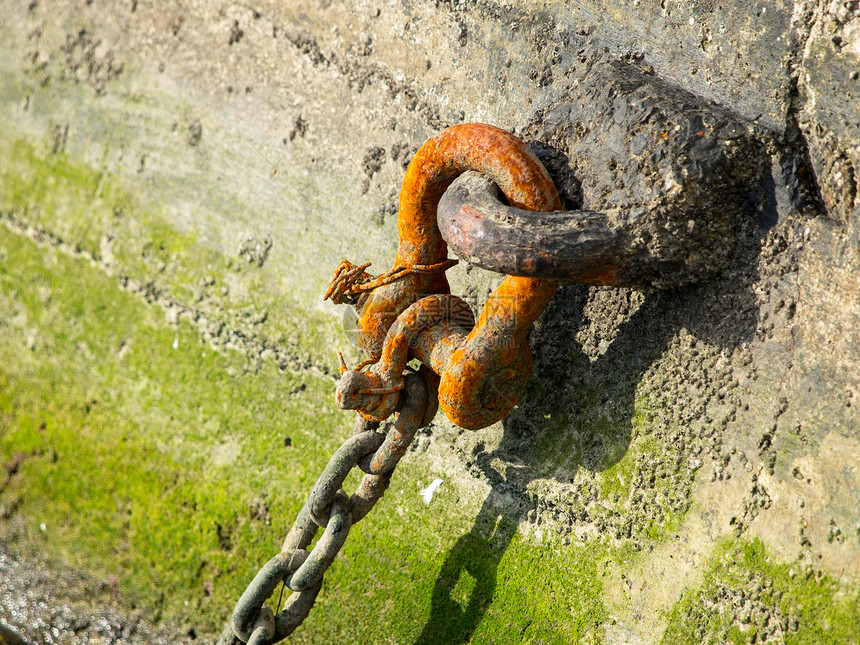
{"points": [[661, 424], [675, 173], [56, 606]]}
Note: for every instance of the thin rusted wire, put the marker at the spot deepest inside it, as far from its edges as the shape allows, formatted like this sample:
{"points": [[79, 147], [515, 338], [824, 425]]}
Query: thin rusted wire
{"points": [[343, 368], [349, 281]]}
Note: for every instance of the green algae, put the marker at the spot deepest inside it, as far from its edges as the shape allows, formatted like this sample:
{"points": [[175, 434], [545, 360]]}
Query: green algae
{"points": [[94, 212], [166, 467], [621, 479], [747, 596], [122, 436]]}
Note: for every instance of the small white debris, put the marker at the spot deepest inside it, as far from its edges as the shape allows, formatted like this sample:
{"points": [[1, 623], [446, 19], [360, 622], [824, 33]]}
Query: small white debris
{"points": [[427, 493], [43, 527], [176, 343]]}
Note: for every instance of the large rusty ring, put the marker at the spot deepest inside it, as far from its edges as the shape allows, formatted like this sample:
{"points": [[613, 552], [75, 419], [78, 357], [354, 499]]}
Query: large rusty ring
{"points": [[483, 366]]}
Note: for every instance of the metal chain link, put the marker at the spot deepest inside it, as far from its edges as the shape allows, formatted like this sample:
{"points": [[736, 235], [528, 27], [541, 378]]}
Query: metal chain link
{"points": [[329, 507]]}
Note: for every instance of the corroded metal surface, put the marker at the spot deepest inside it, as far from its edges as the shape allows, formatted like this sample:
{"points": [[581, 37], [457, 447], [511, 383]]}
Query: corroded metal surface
{"points": [[474, 370], [583, 246], [483, 367], [471, 146], [302, 569]]}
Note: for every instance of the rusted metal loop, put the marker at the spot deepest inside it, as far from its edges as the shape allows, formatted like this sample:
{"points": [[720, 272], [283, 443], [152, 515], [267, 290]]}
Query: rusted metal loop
{"points": [[371, 489], [264, 628], [562, 246], [302, 532], [364, 463], [525, 182], [325, 551], [398, 438], [347, 456], [261, 588], [439, 314], [296, 609]]}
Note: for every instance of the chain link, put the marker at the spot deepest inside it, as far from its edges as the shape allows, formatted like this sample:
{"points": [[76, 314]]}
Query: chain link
{"points": [[329, 507]]}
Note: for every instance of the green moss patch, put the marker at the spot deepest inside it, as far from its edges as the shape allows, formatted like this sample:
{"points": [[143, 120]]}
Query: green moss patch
{"points": [[135, 450], [95, 213], [131, 442], [747, 597]]}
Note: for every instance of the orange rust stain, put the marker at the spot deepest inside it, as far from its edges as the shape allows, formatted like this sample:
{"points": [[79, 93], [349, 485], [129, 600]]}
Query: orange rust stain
{"points": [[483, 377]]}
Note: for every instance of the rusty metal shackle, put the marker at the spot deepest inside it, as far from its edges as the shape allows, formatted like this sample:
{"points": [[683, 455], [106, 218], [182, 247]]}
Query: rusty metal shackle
{"points": [[483, 366], [566, 247]]}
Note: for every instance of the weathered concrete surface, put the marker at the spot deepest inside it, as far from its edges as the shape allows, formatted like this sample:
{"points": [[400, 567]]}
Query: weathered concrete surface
{"points": [[686, 465]]}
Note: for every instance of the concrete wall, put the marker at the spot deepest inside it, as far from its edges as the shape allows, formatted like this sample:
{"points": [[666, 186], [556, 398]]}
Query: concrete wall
{"points": [[177, 182]]}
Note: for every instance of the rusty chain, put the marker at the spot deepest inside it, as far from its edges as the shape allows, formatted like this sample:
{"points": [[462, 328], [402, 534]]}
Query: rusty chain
{"points": [[329, 507], [404, 313]]}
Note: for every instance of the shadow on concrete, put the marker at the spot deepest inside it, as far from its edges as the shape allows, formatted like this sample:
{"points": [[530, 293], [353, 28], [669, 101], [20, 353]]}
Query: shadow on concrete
{"points": [[479, 552], [588, 401], [476, 554]]}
